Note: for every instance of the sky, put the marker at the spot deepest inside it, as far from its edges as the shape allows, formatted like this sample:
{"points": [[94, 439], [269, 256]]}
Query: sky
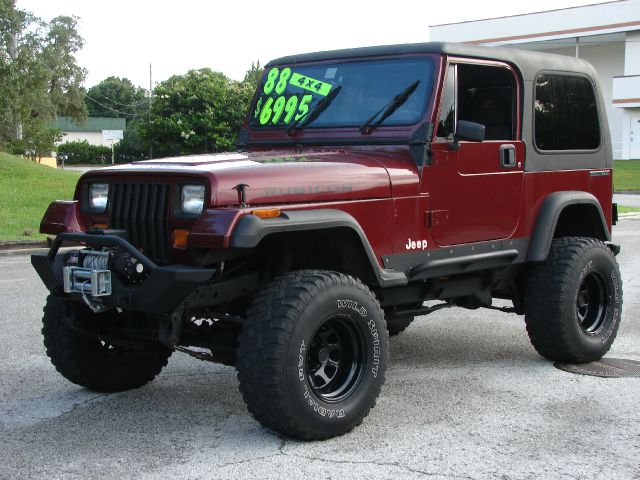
{"points": [[123, 37]]}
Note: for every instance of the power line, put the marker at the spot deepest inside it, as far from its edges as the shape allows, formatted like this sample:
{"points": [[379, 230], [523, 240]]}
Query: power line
{"points": [[109, 108], [126, 105]]}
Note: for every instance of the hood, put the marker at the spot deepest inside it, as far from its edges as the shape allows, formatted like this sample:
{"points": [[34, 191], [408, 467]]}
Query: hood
{"points": [[275, 178]]}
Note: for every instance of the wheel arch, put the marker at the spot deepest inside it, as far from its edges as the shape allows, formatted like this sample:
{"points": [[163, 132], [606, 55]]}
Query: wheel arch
{"points": [[318, 231], [567, 213]]}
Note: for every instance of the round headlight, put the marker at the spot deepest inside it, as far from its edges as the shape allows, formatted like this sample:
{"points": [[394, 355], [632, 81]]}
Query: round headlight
{"points": [[192, 199], [98, 195]]}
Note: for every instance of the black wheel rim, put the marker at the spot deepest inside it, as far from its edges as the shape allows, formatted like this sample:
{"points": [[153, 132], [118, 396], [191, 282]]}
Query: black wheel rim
{"points": [[592, 303], [335, 359]]}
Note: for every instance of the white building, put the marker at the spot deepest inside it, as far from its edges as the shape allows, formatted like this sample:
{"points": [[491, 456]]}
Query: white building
{"points": [[605, 34], [92, 130]]}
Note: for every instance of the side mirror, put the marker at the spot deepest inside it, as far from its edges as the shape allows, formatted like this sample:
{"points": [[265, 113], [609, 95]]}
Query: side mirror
{"points": [[471, 131]]}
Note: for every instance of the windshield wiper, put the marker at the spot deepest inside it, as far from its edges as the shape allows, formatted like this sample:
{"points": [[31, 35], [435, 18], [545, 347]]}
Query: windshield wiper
{"points": [[315, 112], [389, 108]]}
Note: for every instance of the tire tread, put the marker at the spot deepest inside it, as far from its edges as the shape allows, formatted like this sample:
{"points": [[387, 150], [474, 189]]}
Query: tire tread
{"points": [[546, 289], [73, 359], [263, 347]]}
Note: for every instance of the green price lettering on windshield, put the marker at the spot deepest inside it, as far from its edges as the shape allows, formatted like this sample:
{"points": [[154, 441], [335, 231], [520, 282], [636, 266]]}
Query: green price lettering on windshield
{"points": [[282, 109], [311, 84], [275, 107], [277, 80], [258, 107], [271, 81], [290, 108], [303, 108], [266, 112], [282, 82]]}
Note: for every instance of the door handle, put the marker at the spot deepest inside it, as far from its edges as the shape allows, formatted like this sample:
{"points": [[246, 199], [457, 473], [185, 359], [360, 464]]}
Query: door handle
{"points": [[508, 156]]}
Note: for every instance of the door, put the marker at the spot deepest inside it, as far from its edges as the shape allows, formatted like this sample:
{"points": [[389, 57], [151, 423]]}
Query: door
{"points": [[634, 138], [476, 187]]}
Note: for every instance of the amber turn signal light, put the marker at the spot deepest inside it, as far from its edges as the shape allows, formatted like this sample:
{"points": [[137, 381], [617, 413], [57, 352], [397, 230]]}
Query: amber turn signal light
{"points": [[267, 212], [180, 238], [99, 226]]}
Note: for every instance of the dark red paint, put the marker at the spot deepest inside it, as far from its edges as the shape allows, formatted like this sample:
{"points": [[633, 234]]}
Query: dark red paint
{"points": [[463, 196]]}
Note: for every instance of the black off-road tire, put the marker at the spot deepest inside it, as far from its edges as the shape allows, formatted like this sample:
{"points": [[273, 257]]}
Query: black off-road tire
{"points": [[89, 362], [573, 301], [312, 354], [396, 325]]}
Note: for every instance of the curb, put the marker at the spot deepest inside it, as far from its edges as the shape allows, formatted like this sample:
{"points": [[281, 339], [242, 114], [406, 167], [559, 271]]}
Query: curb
{"points": [[30, 251], [22, 244], [22, 251]]}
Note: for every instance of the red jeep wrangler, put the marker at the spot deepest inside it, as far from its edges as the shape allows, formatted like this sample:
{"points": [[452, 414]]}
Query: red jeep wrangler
{"points": [[371, 181]]}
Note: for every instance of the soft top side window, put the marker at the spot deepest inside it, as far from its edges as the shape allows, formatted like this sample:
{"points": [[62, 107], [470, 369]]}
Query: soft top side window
{"points": [[566, 113], [484, 94]]}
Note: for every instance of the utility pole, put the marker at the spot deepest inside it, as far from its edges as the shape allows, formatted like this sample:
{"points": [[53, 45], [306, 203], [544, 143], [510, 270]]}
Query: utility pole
{"points": [[150, 101], [13, 53]]}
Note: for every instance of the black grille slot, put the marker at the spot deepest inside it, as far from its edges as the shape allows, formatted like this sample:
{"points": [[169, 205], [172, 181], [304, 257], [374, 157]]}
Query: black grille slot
{"points": [[142, 209]]}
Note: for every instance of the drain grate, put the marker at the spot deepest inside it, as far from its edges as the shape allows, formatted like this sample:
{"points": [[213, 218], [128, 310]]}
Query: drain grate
{"points": [[606, 367]]}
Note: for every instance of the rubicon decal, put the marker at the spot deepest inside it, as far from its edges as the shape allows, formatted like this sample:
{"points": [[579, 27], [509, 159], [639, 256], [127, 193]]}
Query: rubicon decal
{"points": [[307, 189]]}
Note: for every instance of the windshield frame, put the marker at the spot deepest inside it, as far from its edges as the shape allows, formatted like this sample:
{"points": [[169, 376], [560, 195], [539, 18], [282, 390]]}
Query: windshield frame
{"points": [[315, 131]]}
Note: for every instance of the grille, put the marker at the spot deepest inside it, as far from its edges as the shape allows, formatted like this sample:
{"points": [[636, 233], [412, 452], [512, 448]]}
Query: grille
{"points": [[142, 210]]}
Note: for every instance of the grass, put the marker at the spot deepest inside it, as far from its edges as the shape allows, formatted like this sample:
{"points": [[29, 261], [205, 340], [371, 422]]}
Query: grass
{"points": [[26, 190], [626, 175], [625, 209]]}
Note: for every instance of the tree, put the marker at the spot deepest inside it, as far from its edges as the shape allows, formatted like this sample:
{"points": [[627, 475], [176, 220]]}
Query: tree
{"points": [[119, 97], [253, 75], [116, 97], [40, 140], [62, 42], [199, 112], [39, 76]]}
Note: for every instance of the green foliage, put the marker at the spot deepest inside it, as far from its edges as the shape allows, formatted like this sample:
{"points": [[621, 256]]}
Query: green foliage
{"points": [[62, 42], [26, 190], [131, 148], [626, 175], [200, 112], [40, 140], [119, 97], [39, 76], [116, 97], [253, 75], [83, 153]]}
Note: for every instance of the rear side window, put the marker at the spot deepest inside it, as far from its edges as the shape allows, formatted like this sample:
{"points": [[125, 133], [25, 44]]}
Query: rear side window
{"points": [[566, 115]]}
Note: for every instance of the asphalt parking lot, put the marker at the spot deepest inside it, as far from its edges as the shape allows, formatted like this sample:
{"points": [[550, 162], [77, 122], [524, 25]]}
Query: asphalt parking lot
{"points": [[466, 397]]}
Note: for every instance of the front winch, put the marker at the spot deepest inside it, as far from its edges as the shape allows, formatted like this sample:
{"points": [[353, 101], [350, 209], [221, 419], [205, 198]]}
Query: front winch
{"points": [[93, 277]]}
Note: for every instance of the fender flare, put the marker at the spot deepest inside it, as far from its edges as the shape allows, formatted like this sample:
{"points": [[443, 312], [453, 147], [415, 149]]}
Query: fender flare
{"points": [[547, 220], [250, 230]]}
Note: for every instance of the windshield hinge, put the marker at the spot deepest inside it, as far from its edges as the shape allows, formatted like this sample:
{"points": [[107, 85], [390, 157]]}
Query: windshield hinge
{"points": [[243, 139], [420, 144]]}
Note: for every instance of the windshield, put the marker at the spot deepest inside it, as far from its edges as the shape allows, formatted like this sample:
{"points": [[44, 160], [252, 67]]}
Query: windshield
{"points": [[288, 94]]}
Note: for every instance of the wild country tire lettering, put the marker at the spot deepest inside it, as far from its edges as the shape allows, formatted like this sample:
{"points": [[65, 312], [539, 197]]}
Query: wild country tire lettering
{"points": [[353, 305], [616, 309]]}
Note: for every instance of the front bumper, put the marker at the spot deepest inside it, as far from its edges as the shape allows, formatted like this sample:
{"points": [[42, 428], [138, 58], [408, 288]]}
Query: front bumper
{"points": [[161, 292]]}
